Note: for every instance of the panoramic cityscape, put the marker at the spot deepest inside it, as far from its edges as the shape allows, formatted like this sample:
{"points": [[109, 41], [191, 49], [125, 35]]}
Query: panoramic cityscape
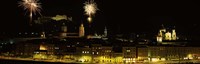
{"points": [[100, 32]]}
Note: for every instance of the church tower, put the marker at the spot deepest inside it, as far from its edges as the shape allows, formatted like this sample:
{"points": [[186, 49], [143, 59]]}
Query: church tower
{"points": [[168, 36], [81, 31], [63, 30], [173, 34]]}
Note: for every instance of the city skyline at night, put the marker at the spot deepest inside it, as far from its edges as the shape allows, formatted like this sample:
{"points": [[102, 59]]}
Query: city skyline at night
{"points": [[138, 16], [100, 31]]}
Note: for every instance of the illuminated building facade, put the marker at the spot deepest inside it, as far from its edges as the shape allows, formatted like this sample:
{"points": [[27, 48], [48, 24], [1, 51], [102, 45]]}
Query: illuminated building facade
{"points": [[129, 54], [165, 34], [26, 49], [30, 49], [96, 49], [106, 54], [142, 53], [99, 53], [83, 54], [162, 53], [118, 57]]}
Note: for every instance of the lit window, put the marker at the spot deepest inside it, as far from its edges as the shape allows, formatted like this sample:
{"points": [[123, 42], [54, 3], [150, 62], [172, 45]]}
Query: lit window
{"points": [[11, 42], [108, 50], [36, 52], [68, 46], [56, 47], [83, 52], [97, 52], [128, 50], [42, 47]]}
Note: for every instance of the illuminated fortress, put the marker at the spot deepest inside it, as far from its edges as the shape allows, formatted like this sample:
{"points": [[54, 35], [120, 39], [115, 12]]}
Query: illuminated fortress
{"points": [[165, 34]]}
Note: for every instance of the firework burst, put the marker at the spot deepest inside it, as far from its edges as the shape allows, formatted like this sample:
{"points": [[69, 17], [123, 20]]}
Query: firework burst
{"points": [[32, 6], [90, 8]]}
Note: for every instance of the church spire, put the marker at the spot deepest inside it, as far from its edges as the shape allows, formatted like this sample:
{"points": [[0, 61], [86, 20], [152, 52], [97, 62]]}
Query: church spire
{"points": [[105, 32]]}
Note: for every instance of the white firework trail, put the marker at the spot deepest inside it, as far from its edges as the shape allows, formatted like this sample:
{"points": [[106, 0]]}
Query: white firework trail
{"points": [[32, 6]]}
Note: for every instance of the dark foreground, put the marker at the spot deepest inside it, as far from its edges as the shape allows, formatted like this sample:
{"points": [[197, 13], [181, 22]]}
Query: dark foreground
{"points": [[4, 61]]}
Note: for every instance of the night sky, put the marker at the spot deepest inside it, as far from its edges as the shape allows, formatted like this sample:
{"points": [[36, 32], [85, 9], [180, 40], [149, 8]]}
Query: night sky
{"points": [[118, 15]]}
